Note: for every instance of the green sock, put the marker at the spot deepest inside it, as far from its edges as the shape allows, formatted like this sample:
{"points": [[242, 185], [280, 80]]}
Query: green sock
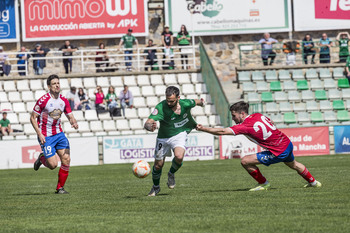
{"points": [[156, 176], [175, 166]]}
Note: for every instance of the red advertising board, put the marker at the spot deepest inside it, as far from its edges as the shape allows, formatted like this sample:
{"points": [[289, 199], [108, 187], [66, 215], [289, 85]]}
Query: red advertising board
{"points": [[82, 19], [30, 153], [332, 9], [309, 141]]}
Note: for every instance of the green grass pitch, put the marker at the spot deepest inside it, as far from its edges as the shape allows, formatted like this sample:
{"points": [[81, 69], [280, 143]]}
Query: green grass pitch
{"points": [[210, 196]]}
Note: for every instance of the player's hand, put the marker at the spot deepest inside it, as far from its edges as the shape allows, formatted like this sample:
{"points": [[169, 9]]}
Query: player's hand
{"points": [[199, 127], [42, 139], [75, 125], [203, 102], [154, 126]]}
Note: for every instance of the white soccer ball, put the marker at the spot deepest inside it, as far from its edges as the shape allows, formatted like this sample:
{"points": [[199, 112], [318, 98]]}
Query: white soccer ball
{"points": [[141, 169]]}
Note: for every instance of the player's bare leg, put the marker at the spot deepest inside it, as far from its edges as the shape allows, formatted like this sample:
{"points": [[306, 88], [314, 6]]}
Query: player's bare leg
{"points": [[304, 172], [249, 163], [64, 155], [179, 153], [156, 174]]}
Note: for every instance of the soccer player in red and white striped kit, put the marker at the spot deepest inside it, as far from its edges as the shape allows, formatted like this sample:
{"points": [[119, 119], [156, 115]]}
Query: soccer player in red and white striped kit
{"points": [[46, 121]]}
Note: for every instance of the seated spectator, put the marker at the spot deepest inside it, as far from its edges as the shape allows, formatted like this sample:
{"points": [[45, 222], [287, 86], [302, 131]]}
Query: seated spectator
{"points": [[126, 98], [308, 49], [102, 59], [183, 39], [3, 58], [291, 48], [325, 44], [84, 100], [112, 104], [151, 58], [343, 39], [5, 125], [266, 49], [68, 50], [39, 64], [22, 61], [73, 98], [347, 68], [99, 99]]}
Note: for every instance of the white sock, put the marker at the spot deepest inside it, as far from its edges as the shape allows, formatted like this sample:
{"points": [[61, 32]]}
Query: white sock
{"points": [[313, 183]]}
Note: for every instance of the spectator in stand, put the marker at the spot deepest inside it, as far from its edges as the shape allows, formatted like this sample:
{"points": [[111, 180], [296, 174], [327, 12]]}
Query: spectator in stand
{"points": [[308, 49], [5, 125], [73, 98], [22, 61], [168, 41], [183, 39], [266, 49], [325, 44], [291, 48], [347, 68], [3, 58], [151, 58], [343, 39], [39, 64], [102, 59], [99, 98], [111, 100], [68, 50], [126, 98], [84, 100], [128, 40]]}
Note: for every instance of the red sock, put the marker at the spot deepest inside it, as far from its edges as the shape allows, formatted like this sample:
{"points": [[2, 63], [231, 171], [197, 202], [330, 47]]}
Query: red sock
{"points": [[307, 176], [258, 176], [43, 160], [62, 176]]}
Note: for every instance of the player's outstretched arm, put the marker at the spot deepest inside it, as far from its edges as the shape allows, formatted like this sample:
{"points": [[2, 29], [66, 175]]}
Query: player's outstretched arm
{"points": [[200, 102], [33, 120], [150, 125], [72, 121], [215, 131]]}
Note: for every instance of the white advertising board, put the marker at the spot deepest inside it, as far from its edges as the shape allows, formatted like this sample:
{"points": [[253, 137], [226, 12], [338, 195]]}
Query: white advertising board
{"points": [[218, 17], [237, 147], [129, 149], [23, 153], [313, 15]]}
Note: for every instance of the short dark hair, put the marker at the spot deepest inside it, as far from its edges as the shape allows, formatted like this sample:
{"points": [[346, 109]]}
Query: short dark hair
{"points": [[73, 89], [52, 76], [171, 90], [4, 113], [240, 106]]}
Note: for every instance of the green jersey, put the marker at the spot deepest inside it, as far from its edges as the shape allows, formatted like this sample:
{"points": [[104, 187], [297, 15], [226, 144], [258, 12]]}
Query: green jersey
{"points": [[4, 123], [111, 97], [183, 41], [128, 41], [343, 47], [171, 123], [348, 62]]}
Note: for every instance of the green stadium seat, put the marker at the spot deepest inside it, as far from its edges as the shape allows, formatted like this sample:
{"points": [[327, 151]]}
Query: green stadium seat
{"points": [[325, 73], [343, 83], [316, 117], [338, 105], [275, 86], [289, 118], [302, 85], [298, 74], [343, 115], [338, 73], [271, 75], [320, 95], [311, 74], [266, 97]]}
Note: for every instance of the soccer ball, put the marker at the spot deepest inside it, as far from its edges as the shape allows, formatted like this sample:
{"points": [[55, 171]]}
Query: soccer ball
{"points": [[141, 169]]}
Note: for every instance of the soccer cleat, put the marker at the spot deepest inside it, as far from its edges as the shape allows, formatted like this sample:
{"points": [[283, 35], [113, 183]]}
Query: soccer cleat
{"points": [[61, 191], [261, 187], [154, 191], [317, 185], [171, 180], [37, 162]]}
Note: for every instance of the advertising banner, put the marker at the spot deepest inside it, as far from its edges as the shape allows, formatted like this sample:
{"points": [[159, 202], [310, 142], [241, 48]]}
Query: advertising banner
{"points": [[219, 17], [342, 139], [129, 149], [9, 31], [82, 19], [316, 15], [309, 141], [237, 147], [23, 153]]}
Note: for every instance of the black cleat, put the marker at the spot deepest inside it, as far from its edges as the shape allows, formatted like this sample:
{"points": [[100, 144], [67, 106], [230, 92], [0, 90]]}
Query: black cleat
{"points": [[61, 191], [38, 163], [154, 191]]}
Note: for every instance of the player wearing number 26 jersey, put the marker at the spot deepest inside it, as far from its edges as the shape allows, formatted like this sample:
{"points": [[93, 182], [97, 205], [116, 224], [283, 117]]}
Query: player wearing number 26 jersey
{"points": [[261, 130]]}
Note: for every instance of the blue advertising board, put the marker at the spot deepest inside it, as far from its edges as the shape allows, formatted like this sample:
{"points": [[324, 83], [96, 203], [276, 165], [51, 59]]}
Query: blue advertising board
{"points": [[9, 21], [342, 139]]}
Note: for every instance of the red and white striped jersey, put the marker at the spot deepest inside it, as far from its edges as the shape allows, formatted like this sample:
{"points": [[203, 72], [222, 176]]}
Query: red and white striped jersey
{"points": [[50, 111]]}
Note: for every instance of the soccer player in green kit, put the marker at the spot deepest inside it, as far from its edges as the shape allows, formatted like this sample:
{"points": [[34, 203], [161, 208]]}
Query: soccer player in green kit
{"points": [[176, 122]]}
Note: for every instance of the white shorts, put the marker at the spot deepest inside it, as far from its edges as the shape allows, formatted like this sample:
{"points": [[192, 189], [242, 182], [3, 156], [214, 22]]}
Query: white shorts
{"points": [[164, 146]]}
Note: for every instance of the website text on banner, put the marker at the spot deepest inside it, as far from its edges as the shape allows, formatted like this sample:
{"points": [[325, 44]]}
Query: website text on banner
{"points": [[82, 19], [321, 15], [9, 21], [309, 141], [129, 149], [237, 147], [23, 153], [218, 17], [342, 139]]}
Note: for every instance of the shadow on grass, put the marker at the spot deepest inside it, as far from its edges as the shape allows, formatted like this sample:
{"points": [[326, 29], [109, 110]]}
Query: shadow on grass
{"points": [[135, 197], [232, 190], [33, 194]]}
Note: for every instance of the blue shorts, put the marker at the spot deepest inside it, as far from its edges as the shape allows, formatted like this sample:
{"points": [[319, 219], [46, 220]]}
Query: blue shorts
{"points": [[267, 158], [53, 143]]}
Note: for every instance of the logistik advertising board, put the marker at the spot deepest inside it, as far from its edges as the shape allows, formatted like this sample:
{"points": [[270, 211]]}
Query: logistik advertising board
{"points": [[82, 19], [218, 17], [342, 139], [9, 21], [129, 149]]}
